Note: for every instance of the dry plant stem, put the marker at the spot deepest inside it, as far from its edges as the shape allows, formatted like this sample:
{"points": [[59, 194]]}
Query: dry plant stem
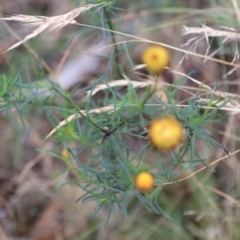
{"points": [[78, 110], [236, 8], [32, 51], [33, 162], [65, 56], [226, 196], [225, 140], [36, 140], [206, 32], [3, 234], [201, 169], [202, 188], [81, 113], [118, 83], [233, 110], [149, 92], [231, 103], [210, 32]]}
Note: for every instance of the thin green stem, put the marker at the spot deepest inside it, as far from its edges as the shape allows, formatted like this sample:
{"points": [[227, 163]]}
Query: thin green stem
{"points": [[116, 51]]}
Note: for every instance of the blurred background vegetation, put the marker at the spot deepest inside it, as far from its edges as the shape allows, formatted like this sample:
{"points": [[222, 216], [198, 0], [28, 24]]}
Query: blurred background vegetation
{"points": [[32, 203]]}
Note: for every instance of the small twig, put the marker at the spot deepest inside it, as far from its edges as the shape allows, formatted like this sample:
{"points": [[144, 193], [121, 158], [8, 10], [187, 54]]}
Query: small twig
{"points": [[236, 8], [31, 50], [226, 196], [201, 169], [65, 56], [3, 234]]}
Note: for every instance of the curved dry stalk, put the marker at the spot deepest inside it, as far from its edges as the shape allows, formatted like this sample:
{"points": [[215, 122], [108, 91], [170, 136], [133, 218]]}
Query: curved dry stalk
{"points": [[119, 83], [226, 196], [82, 113], [234, 106], [201, 169]]}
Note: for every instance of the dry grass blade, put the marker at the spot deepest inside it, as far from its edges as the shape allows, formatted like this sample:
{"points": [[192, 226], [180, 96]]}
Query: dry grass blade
{"points": [[42, 23], [140, 66], [228, 109], [210, 32], [232, 104], [82, 113], [201, 169], [118, 83], [226, 196], [236, 8]]}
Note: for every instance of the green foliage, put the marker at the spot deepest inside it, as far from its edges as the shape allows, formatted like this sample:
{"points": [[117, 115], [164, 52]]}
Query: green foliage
{"points": [[108, 174], [115, 140]]}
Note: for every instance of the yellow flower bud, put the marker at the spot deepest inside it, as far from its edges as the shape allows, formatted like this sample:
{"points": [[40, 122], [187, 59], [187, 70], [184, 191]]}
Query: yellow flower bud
{"points": [[166, 133], [65, 154], [144, 181], [156, 59]]}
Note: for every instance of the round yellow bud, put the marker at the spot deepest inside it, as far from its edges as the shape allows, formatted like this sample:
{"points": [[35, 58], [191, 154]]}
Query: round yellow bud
{"points": [[156, 59], [144, 181], [65, 153], [166, 133]]}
